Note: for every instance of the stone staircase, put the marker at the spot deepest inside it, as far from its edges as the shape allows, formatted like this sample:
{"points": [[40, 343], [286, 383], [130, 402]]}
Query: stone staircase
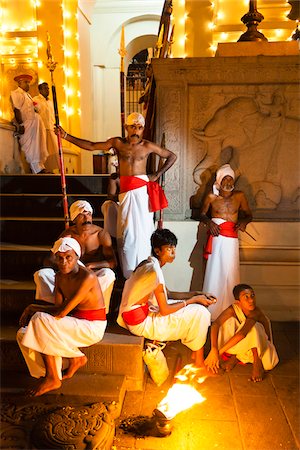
{"points": [[31, 219]]}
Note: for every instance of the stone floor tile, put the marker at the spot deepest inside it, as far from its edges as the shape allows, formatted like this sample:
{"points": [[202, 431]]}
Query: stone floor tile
{"points": [[287, 368], [286, 386], [263, 424], [242, 385], [292, 411]]}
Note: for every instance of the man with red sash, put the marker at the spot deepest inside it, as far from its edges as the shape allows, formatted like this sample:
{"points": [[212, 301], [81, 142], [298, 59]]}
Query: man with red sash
{"points": [[230, 213], [77, 319], [139, 197]]}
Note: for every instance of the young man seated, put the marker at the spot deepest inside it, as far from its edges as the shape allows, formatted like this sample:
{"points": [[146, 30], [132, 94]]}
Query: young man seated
{"points": [[77, 319], [146, 310], [243, 333]]}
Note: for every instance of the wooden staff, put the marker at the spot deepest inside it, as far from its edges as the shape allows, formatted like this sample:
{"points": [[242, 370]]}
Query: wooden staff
{"points": [[51, 64], [122, 53]]}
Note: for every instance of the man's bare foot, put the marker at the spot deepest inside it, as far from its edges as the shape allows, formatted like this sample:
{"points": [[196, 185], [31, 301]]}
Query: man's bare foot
{"points": [[257, 371], [47, 384], [74, 365], [229, 364]]}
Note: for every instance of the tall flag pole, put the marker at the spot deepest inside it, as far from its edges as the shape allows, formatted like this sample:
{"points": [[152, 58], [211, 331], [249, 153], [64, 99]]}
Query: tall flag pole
{"points": [[51, 65], [122, 53]]}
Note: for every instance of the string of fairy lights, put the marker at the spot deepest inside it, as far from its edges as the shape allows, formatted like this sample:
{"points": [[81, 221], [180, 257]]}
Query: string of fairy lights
{"points": [[23, 42], [225, 26]]}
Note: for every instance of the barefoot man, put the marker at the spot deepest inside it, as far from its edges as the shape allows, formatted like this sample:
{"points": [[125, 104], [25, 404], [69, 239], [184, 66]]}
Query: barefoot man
{"points": [[149, 309], [230, 213], [139, 195], [77, 319], [244, 333]]}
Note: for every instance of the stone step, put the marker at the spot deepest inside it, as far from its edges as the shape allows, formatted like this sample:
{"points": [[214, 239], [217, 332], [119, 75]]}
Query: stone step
{"points": [[34, 230], [37, 184], [81, 388], [117, 354], [45, 204]]}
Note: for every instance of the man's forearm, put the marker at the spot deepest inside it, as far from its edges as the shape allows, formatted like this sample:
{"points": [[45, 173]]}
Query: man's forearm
{"points": [[167, 164], [82, 143]]}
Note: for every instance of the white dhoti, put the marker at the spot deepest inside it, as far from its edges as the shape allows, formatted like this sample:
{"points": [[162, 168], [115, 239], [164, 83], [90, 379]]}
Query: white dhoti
{"points": [[45, 281], [222, 271], [256, 338], [134, 228], [33, 141], [109, 210], [52, 162], [189, 324], [59, 338]]}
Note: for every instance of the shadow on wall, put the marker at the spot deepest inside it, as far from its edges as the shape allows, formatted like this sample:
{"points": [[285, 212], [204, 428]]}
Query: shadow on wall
{"points": [[196, 259]]}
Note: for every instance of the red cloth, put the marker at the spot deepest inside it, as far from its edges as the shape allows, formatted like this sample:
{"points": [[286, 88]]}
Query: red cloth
{"points": [[157, 198], [226, 356], [226, 229], [136, 316], [90, 314]]}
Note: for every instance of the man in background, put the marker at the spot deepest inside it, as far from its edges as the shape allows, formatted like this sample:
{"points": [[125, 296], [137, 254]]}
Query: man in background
{"points": [[30, 127], [46, 110]]}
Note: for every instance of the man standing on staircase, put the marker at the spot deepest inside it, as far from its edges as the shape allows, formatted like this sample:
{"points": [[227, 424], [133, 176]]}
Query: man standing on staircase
{"points": [[30, 127], [50, 333], [140, 195], [96, 254]]}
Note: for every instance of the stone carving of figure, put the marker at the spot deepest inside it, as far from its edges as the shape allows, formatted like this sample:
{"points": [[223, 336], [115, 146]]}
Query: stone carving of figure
{"points": [[260, 140]]}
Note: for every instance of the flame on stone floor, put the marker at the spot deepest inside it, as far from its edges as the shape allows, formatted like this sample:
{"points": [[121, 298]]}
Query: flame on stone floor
{"points": [[183, 394]]}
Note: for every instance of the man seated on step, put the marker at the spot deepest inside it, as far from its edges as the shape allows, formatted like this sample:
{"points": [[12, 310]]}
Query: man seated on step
{"points": [[242, 333], [96, 254], [77, 319], [146, 309]]}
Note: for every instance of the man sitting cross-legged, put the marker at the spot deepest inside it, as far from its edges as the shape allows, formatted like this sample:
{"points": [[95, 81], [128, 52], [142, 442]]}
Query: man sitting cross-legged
{"points": [[146, 310], [77, 319], [243, 332]]}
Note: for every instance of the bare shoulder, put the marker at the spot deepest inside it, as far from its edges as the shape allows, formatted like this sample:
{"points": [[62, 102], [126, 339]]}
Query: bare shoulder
{"points": [[104, 237], [71, 231], [86, 275]]}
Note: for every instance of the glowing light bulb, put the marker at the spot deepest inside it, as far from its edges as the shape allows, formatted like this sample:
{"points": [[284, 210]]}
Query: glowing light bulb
{"points": [[211, 26]]}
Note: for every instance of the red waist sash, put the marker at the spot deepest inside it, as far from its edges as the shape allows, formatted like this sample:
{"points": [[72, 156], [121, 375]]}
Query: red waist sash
{"points": [[157, 198], [136, 316], [90, 314], [227, 229]]}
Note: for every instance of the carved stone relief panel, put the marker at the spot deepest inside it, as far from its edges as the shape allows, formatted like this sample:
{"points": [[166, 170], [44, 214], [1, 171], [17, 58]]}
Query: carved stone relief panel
{"points": [[171, 123], [239, 110], [256, 130]]}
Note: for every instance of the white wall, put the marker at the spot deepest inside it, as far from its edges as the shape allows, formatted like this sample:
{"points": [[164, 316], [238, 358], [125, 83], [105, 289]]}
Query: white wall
{"points": [[101, 59], [270, 264]]}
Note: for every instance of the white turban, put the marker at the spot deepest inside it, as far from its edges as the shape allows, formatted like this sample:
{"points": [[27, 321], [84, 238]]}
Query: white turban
{"points": [[80, 207], [221, 173], [66, 243], [135, 118]]}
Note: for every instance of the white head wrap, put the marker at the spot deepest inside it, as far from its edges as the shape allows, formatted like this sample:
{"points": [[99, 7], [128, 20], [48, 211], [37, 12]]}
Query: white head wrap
{"points": [[135, 118], [79, 207], [66, 243], [221, 173]]}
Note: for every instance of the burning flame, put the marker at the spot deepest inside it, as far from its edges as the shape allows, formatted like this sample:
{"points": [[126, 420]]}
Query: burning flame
{"points": [[182, 395]]}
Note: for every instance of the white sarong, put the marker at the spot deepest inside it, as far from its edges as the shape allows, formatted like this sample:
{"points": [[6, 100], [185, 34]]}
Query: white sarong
{"points": [[256, 338], [46, 111], [33, 141], [189, 324], [222, 271], [59, 338], [45, 281], [134, 228]]}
